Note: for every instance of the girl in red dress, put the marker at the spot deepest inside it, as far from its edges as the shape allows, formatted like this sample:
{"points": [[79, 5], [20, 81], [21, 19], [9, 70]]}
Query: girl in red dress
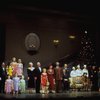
{"points": [[51, 79], [44, 81]]}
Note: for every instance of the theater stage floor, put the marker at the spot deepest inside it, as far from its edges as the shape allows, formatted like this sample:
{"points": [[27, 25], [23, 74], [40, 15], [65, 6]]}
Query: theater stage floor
{"points": [[68, 95]]}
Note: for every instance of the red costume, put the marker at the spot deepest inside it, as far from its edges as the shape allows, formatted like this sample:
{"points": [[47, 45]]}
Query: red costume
{"points": [[44, 79], [51, 78]]}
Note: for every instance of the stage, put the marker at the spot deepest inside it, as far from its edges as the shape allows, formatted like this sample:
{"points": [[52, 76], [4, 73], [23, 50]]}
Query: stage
{"points": [[67, 95]]}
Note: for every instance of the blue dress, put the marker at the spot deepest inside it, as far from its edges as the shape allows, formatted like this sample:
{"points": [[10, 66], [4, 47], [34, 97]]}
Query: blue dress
{"points": [[16, 81]]}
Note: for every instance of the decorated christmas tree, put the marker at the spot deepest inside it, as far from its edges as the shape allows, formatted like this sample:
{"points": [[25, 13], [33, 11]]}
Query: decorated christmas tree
{"points": [[87, 50]]}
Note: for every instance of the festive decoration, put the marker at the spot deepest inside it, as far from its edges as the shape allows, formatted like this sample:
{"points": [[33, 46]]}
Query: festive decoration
{"points": [[87, 51]]}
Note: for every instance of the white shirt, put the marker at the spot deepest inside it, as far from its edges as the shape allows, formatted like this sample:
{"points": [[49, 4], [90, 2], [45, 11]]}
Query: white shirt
{"points": [[85, 71], [79, 72], [31, 68], [73, 73]]}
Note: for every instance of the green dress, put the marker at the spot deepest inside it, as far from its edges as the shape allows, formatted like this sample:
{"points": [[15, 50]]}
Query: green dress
{"points": [[22, 86]]}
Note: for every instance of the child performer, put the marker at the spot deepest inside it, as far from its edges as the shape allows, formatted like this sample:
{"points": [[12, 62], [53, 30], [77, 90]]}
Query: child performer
{"points": [[22, 84], [8, 85], [16, 80], [9, 70], [44, 81]]}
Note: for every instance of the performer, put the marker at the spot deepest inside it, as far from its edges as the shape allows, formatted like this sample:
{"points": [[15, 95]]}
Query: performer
{"points": [[14, 66], [30, 72], [51, 79], [58, 77], [19, 68], [44, 81], [9, 85], [79, 72], [22, 84], [37, 75], [94, 78], [73, 72], [3, 76], [85, 70], [9, 70], [16, 80], [66, 75], [86, 82], [72, 78]]}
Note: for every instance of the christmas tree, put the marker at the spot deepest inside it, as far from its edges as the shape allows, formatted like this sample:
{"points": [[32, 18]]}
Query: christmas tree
{"points": [[87, 50]]}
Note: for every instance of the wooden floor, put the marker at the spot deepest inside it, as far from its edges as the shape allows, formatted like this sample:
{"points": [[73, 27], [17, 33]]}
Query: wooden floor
{"points": [[68, 95]]}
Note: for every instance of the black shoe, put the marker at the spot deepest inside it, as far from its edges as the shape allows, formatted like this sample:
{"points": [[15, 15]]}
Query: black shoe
{"points": [[37, 92]]}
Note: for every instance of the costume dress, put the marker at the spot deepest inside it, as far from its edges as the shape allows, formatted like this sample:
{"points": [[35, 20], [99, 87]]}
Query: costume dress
{"points": [[8, 85], [30, 72]]}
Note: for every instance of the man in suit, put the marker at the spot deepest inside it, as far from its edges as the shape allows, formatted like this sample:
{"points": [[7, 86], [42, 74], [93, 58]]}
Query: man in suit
{"points": [[66, 75], [58, 73], [3, 75], [94, 78], [37, 75]]}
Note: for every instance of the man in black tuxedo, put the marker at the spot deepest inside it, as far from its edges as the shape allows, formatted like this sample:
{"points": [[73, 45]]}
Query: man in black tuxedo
{"points": [[37, 74], [3, 75], [66, 75], [94, 78]]}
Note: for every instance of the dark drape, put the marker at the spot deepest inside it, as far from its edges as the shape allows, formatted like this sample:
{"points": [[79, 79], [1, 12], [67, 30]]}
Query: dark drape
{"points": [[2, 43]]}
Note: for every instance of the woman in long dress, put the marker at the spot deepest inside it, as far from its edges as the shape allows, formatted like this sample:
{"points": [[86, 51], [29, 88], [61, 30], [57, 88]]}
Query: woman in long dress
{"points": [[30, 72], [19, 69], [51, 79], [14, 66]]}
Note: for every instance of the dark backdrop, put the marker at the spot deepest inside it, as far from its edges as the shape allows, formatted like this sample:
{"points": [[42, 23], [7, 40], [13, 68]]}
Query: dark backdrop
{"points": [[49, 25], [2, 43]]}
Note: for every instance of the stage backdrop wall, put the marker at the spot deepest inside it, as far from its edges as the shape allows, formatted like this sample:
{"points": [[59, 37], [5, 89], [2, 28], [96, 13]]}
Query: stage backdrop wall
{"points": [[48, 27]]}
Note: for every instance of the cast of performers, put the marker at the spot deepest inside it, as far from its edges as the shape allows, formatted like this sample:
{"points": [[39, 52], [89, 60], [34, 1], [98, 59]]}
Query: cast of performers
{"points": [[59, 78]]}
